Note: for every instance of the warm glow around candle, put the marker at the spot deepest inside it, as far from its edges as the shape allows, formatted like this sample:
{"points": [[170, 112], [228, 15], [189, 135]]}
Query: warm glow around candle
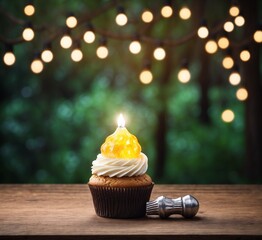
{"points": [[121, 121]]}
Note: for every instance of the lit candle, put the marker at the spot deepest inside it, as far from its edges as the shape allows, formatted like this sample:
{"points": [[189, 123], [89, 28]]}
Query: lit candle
{"points": [[121, 144]]}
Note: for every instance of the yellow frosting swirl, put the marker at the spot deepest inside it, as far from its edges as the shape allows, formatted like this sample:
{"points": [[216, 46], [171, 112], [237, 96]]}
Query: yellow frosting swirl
{"points": [[121, 145]]}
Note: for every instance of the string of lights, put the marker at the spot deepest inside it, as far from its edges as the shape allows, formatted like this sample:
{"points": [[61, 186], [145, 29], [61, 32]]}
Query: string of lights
{"points": [[67, 39]]}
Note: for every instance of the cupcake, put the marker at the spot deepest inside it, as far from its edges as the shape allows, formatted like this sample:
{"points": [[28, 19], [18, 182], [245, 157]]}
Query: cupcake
{"points": [[119, 184]]}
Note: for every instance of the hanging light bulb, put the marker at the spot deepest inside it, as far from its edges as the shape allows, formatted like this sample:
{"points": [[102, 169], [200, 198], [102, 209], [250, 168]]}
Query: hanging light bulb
{"points": [[227, 115], [159, 53], [47, 55], [223, 42], [241, 94], [234, 77], [234, 10], [71, 21], [135, 47], [76, 54], [9, 57], [146, 75], [28, 33], [211, 46], [121, 18], [239, 20], [89, 35], [66, 40], [102, 50], [245, 55], [37, 65], [258, 36], [228, 26], [185, 13], [147, 16], [166, 10], [29, 9], [184, 74], [203, 30], [228, 62]]}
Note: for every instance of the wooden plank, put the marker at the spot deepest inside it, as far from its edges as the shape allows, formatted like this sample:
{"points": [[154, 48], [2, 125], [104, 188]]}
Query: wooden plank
{"points": [[66, 211]]}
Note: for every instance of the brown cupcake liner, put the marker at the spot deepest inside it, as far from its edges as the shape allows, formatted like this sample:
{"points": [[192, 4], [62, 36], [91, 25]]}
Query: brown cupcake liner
{"points": [[120, 202]]}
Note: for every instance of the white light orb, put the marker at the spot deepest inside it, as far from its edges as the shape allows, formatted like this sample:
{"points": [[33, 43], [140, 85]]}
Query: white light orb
{"points": [[28, 34], [228, 62], [258, 36], [241, 94], [245, 55], [9, 58], [228, 26], [211, 47], [76, 55], [47, 55], [71, 21], [147, 16], [135, 47], [29, 10], [159, 53], [166, 11], [234, 11], [227, 115], [185, 13], [240, 21], [223, 42], [184, 75], [234, 78], [102, 52], [121, 19], [202, 32], [89, 37], [66, 41], [146, 77], [37, 66]]}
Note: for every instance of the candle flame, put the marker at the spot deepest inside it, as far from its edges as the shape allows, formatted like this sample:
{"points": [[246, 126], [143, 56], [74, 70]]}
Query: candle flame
{"points": [[121, 121]]}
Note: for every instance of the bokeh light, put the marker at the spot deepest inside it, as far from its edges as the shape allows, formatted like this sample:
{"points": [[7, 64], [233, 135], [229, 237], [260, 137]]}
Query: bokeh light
{"points": [[166, 11], [159, 53], [185, 13], [245, 55], [102, 52], [184, 75], [135, 47], [228, 26], [241, 94], [29, 10], [146, 76], [9, 58], [37, 66], [228, 116], [147, 16], [211, 47]]}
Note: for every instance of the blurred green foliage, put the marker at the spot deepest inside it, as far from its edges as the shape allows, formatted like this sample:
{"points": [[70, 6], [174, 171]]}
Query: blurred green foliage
{"points": [[53, 124]]}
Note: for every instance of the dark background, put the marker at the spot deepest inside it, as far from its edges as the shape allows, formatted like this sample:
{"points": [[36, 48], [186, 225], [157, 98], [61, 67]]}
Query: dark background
{"points": [[53, 123]]}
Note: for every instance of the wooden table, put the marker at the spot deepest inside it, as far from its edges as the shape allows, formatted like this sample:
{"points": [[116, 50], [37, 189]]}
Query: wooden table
{"points": [[66, 211]]}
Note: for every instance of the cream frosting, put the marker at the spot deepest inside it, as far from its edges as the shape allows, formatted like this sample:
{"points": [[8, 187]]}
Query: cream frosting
{"points": [[114, 167]]}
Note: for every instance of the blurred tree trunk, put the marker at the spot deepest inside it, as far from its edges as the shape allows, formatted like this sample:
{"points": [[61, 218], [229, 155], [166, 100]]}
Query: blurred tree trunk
{"points": [[252, 80], [203, 78], [204, 88], [161, 131]]}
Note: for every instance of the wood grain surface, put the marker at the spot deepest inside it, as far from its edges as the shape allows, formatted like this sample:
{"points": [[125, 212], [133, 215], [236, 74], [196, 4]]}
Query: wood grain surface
{"points": [[66, 212]]}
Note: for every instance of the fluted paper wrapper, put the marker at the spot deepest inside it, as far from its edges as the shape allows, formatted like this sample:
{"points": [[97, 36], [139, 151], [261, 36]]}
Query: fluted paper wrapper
{"points": [[120, 202]]}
